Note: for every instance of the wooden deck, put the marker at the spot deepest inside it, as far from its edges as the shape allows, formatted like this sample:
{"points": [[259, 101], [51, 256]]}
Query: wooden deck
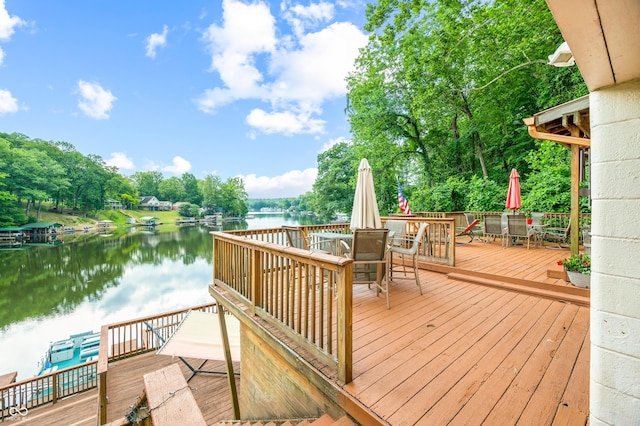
{"points": [[492, 341]]}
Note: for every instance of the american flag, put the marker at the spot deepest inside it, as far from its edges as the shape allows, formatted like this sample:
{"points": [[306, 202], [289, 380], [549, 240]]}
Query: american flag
{"points": [[402, 202]]}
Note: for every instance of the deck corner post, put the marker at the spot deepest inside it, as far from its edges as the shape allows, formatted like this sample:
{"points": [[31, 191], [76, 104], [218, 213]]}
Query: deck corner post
{"points": [[345, 322]]}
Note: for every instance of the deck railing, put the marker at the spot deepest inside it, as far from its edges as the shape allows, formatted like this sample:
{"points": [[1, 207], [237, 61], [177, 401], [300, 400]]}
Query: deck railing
{"points": [[117, 341], [16, 399], [300, 292], [552, 220], [306, 295]]}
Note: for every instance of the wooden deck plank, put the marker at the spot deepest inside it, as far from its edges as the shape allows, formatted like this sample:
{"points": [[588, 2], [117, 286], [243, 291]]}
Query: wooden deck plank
{"points": [[409, 378], [480, 404], [576, 396], [79, 410], [437, 377], [510, 407], [125, 383], [479, 374], [557, 375], [391, 354]]}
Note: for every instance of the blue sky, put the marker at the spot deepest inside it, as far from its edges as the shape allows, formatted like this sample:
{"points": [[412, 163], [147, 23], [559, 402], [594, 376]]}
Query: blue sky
{"points": [[235, 88]]}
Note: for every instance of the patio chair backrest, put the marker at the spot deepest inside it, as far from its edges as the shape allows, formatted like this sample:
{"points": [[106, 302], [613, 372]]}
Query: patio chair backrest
{"points": [[493, 225], [517, 225], [368, 254], [295, 237], [369, 244], [396, 231], [470, 218]]}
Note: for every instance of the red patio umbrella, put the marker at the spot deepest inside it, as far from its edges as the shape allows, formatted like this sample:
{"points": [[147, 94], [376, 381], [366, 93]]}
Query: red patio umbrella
{"points": [[514, 202]]}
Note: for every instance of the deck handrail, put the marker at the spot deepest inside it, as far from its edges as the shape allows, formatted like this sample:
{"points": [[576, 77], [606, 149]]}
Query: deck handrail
{"points": [[301, 293], [48, 388]]}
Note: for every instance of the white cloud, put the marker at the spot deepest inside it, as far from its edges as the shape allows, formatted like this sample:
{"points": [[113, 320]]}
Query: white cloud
{"points": [[304, 70], [179, 166], [8, 104], [248, 29], [121, 161], [95, 101], [302, 17], [331, 142], [156, 40], [291, 184], [7, 25], [287, 122], [317, 71]]}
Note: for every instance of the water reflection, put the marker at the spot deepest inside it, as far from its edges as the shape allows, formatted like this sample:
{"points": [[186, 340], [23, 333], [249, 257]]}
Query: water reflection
{"points": [[48, 293]]}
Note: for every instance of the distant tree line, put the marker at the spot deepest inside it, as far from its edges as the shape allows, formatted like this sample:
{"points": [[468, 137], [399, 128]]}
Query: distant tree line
{"points": [[34, 172]]}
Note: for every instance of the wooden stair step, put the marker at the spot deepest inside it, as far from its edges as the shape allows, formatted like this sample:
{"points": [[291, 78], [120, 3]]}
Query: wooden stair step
{"points": [[556, 295]]}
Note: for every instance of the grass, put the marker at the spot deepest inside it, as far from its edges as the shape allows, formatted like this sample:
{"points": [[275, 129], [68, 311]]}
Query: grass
{"points": [[119, 219]]}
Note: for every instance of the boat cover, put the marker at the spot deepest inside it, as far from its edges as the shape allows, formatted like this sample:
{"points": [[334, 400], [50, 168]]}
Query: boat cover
{"points": [[198, 336]]}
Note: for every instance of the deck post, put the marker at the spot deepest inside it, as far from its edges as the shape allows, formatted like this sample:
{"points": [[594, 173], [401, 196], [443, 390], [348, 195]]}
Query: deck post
{"points": [[54, 385], [103, 360], [345, 322]]}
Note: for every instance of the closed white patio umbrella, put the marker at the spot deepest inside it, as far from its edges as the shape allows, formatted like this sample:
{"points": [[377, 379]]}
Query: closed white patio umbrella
{"points": [[365, 212]]}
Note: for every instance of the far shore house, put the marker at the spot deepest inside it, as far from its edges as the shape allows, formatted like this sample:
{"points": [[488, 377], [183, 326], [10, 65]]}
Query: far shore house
{"points": [[114, 204], [148, 202], [164, 206]]}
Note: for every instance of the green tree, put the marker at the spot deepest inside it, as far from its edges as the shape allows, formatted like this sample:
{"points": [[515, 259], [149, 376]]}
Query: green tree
{"points": [[188, 210], [171, 189], [234, 197], [122, 189], [192, 191], [446, 83], [147, 183], [334, 187], [547, 188], [211, 188]]}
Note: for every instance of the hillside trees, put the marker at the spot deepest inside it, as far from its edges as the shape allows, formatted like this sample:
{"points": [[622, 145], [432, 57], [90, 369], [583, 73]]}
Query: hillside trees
{"points": [[171, 189], [441, 89], [147, 183]]}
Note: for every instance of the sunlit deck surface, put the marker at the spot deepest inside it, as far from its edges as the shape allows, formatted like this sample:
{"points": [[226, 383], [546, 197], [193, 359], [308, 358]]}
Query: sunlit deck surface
{"points": [[505, 349]]}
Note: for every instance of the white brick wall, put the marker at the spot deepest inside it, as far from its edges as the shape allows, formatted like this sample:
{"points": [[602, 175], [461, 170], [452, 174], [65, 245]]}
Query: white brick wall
{"points": [[615, 240]]}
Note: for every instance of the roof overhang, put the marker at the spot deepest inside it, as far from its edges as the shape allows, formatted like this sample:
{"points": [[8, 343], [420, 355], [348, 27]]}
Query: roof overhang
{"points": [[604, 38], [567, 123]]}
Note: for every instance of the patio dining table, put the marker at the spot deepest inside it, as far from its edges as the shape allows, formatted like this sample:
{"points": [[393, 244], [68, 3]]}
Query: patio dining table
{"points": [[334, 239]]}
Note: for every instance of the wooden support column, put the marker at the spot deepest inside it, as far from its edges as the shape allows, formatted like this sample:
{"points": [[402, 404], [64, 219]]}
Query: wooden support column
{"points": [[575, 193]]}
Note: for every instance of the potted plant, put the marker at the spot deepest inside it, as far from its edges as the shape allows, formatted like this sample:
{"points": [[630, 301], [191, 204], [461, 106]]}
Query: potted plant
{"points": [[578, 268]]}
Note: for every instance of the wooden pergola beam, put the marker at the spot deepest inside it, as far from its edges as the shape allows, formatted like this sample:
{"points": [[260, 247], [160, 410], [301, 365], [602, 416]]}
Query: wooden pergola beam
{"points": [[574, 142]]}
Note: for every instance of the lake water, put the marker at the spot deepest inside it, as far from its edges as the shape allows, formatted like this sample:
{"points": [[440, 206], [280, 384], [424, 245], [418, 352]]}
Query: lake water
{"points": [[48, 293]]}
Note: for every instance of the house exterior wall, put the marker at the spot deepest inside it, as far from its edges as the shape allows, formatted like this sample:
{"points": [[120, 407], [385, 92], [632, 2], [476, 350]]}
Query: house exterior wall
{"points": [[615, 234]]}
